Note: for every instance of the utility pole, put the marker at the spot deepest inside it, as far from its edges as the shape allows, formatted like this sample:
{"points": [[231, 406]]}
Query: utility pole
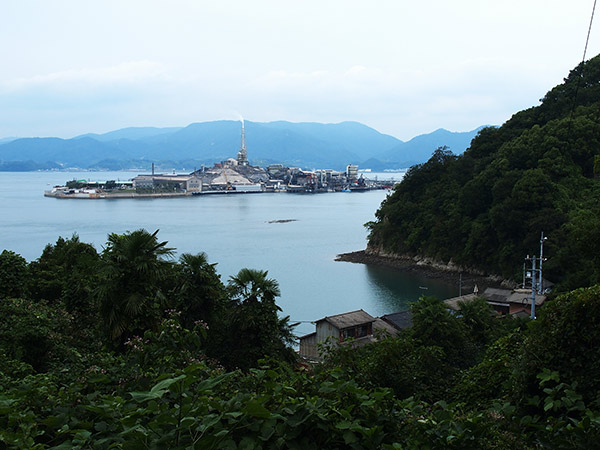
{"points": [[542, 239], [533, 283], [536, 279]]}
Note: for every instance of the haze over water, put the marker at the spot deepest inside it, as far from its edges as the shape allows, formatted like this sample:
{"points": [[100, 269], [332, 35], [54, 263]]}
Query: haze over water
{"points": [[235, 231]]}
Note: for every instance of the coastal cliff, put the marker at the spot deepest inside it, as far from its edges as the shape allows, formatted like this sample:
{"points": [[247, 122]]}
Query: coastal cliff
{"points": [[449, 272]]}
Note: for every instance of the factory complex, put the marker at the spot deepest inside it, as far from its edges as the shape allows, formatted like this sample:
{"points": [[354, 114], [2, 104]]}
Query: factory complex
{"points": [[232, 176]]}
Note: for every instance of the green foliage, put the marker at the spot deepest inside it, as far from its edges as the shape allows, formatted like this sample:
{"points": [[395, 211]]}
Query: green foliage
{"points": [[487, 208], [490, 381], [32, 333], [65, 271], [543, 381], [76, 184], [483, 325], [251, 328], [129, 293], [13, 274], [171, 347], [558, 418], [537, 386], [398, 363], [578, 260], [433, 325], [199, 293], [565, 339], [266, 408]]}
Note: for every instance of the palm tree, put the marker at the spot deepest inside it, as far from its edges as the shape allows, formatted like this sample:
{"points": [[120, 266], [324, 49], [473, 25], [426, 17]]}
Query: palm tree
{"points": [[129, 293], [199, 293], [253, 328], [253, 285]]}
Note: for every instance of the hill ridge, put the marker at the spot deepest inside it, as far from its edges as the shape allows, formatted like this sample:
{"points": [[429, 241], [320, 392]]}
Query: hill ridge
{"points": [[303, 144]]}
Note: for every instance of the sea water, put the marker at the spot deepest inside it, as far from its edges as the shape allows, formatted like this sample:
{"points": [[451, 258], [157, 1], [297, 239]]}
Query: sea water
{"points": [[295, 237]]}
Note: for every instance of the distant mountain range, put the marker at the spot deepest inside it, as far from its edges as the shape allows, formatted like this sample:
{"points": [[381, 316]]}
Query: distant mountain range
{"points": [[306, 145]]}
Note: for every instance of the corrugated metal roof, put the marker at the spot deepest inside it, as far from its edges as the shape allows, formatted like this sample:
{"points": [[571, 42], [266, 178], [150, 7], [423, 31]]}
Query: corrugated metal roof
{"points": [[452, 303], [314, 333], [524, 298], [400, 320], [382, 326], [349, 319], [497, 295]]}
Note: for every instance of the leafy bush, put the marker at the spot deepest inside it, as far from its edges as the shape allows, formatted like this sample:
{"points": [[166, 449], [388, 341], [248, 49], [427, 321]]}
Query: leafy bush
{"points": [[32, 333]]}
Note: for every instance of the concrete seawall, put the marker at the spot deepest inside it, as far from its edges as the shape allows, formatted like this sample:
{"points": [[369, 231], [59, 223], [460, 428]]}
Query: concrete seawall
{"points": [[110, 195]]}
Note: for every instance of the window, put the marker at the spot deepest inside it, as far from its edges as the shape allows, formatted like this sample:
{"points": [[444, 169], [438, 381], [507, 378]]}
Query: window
{"points": [[356, 332], [362, 331]]}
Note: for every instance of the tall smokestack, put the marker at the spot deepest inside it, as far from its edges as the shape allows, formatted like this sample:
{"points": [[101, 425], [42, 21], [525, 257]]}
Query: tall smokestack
{"points": [[243, 138], [242, 155]]}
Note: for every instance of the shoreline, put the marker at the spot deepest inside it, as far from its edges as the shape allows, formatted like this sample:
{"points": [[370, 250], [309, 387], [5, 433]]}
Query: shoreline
{"points": [[450, 277]]}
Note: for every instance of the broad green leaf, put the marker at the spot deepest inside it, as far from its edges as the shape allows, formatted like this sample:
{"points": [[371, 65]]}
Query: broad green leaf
{"points": [[255, 408]]}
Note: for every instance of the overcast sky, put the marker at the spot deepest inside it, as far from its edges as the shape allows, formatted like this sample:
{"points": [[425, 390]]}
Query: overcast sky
{"points": [[405, 68]]}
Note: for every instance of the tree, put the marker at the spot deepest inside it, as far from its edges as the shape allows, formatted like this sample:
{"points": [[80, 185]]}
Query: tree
{"points": [[564, 339], [253, 328], [65, 271], [485, 209], [129, 293], [34, 333], [199, 294], [434, 325], [251, 285], [13, 274], [480, 321]]}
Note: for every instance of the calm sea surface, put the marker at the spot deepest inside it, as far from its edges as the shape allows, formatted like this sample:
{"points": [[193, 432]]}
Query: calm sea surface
{"points": [[235, 231]]}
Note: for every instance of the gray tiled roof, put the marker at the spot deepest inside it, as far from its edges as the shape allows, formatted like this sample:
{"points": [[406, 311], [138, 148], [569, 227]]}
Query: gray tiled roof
{"points": [[497, 295], [350, 319]]}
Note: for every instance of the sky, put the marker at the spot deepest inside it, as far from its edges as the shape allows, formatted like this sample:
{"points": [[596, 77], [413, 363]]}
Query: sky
{"points": [[405, 68]]}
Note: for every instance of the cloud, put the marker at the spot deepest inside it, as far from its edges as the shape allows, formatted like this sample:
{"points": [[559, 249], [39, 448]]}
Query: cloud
{"points": [[400, 101], [126, 73]]}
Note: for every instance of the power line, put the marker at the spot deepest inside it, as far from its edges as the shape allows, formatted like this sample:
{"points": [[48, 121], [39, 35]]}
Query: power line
{"points": [[587, 40], [589, 31]]}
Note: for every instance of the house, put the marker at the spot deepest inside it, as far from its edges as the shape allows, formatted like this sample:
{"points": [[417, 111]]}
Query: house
{"points": [[507, 301], [504, 301], [357, 327]]}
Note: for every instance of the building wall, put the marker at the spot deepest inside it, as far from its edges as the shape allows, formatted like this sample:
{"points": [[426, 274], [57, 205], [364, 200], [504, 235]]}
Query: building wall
{"points": [[516, 307], [325, 330], [308, 346], [194, 184], [143, 182]]}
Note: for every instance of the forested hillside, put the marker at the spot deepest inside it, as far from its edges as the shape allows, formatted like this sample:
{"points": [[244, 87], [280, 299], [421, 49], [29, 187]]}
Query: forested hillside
{"points": [[486, 208]]}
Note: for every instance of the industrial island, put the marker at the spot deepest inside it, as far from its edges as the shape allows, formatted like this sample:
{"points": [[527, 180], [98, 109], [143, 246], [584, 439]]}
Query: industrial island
{"points": [[232, 176]]}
